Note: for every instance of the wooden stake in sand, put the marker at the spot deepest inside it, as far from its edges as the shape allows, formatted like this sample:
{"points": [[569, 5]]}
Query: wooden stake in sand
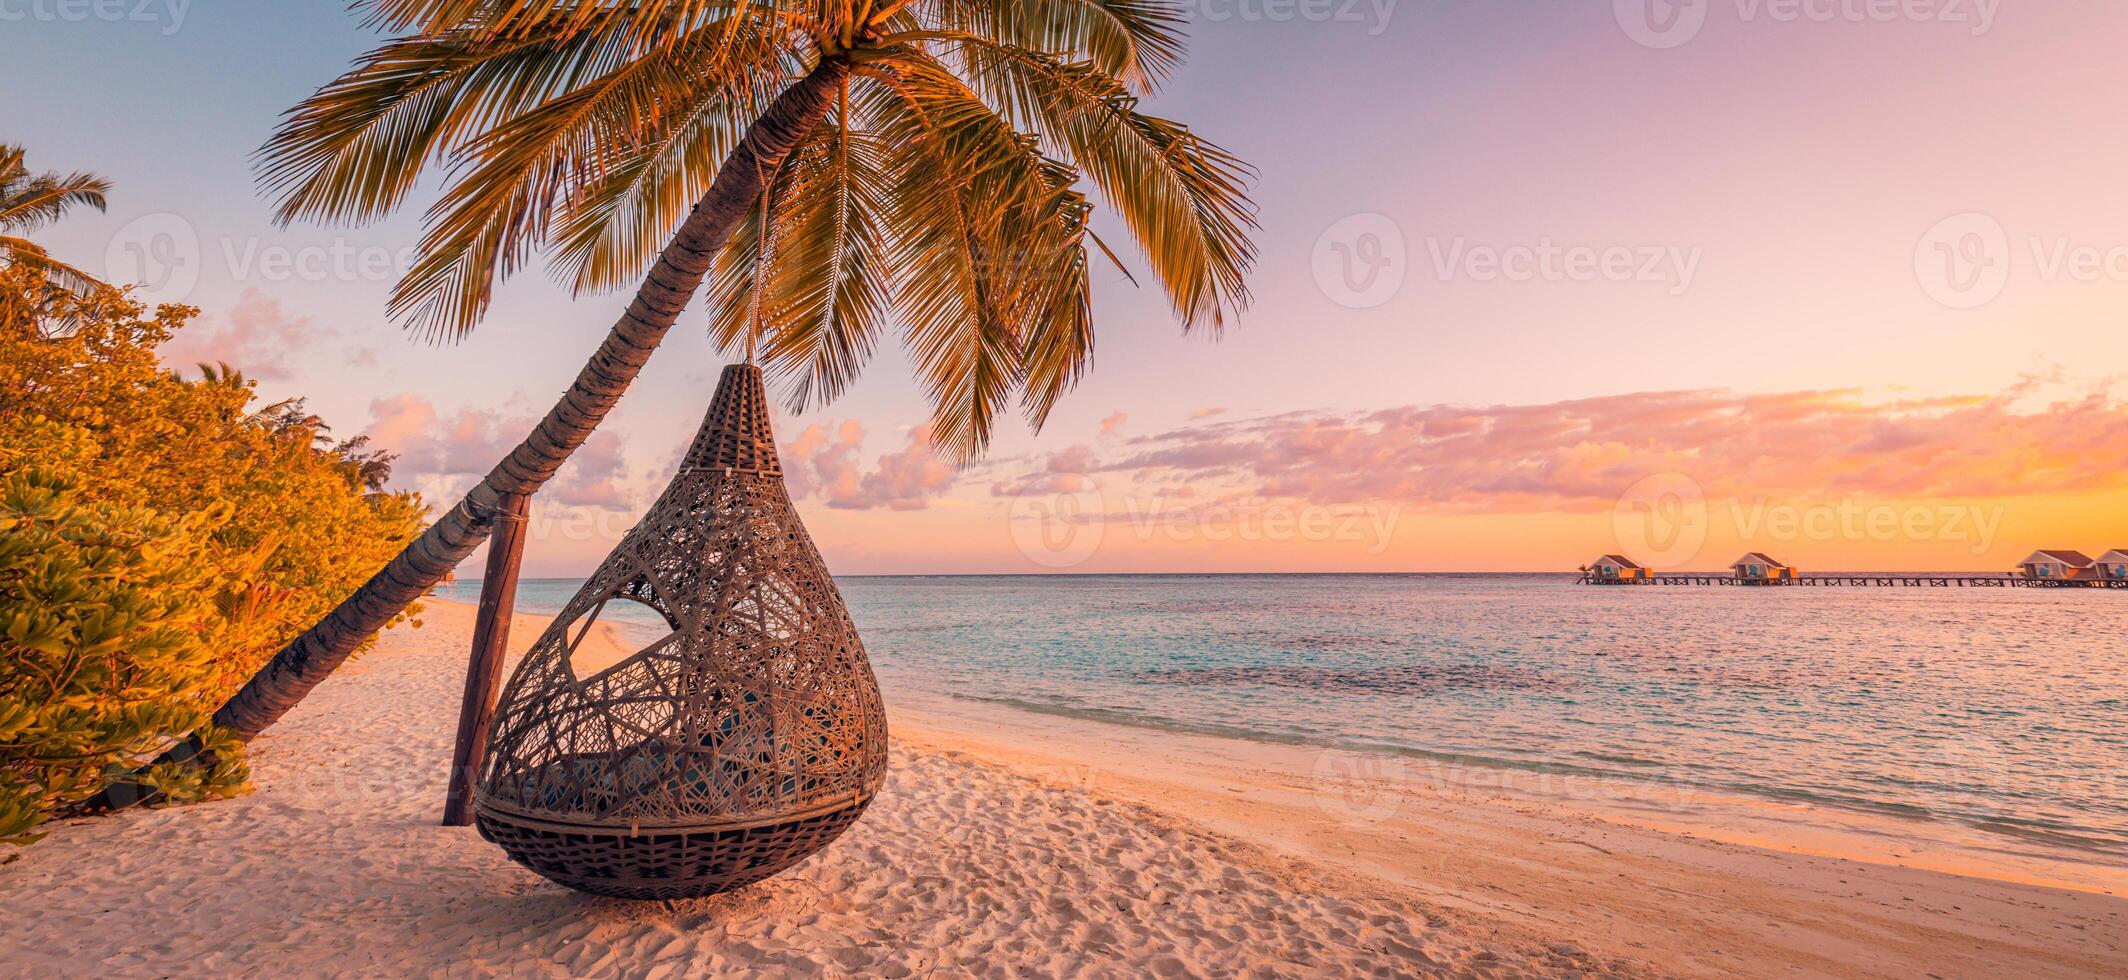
{"points": [[491, 637]]}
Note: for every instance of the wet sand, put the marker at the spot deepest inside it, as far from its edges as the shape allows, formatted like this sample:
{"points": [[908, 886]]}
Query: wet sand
{"points": [[1008, 843]]}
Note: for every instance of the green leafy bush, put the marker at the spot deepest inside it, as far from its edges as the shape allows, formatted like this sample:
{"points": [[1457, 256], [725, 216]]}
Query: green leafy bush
{"points": [[160, 538]]}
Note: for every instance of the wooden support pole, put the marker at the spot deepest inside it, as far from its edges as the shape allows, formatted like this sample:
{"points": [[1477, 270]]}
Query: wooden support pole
{"points": [[491, 638]]}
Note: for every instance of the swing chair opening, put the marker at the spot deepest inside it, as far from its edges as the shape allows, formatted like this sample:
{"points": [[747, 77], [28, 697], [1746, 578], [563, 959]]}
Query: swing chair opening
{"points": [[747, 738]]}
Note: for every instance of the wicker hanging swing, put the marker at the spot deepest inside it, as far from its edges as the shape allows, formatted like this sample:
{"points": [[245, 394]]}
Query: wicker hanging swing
{"points": [[749, 737]]}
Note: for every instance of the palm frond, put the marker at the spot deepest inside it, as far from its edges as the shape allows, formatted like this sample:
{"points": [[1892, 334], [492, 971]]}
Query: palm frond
{"points": [[23, 252], [39, 201], [653, 23], [983, 227], [356, 149], [1184, 199], [950, 190], [612, 228], [29, 201], [531, 168], [1137, 42], [828, 294]]}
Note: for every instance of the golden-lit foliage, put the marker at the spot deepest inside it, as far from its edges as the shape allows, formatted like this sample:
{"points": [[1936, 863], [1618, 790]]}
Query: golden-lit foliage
{"points": [[160, 538], [948, 192], [31, 201]]}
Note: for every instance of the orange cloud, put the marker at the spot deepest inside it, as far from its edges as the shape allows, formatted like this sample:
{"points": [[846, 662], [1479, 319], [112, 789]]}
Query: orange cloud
{"points": [[1579, 455]]}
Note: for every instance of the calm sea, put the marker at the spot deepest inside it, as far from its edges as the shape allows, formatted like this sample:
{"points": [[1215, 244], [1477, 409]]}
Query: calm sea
{"points": [[2005, 709]]}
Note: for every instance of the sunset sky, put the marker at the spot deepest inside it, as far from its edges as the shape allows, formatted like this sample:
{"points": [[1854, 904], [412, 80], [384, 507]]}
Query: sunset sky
{"points": [[1537, 282]]}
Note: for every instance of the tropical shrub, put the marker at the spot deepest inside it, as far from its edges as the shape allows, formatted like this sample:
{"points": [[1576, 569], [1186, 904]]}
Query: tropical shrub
{"points": [[160, 538]]}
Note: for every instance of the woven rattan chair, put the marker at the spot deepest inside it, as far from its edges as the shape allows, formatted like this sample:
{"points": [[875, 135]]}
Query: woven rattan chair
{"points": [[749, 737]]}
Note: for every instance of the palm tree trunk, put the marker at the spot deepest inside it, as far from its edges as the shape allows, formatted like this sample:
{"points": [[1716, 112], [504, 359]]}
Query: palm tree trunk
{"points": [[679, 271]]}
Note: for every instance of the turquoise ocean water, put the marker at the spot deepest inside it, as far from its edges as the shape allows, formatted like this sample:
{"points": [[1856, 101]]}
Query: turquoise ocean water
{"points": [[2003, 709]]}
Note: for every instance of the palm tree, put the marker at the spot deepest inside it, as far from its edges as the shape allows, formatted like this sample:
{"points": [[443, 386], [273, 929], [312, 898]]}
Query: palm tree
{"points": [[922, 162], [30, 201]]}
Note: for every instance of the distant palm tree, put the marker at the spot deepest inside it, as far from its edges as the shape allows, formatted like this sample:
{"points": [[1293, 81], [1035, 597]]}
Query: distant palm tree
{"points": [[31, 201], [922, 163], [291, 418]]}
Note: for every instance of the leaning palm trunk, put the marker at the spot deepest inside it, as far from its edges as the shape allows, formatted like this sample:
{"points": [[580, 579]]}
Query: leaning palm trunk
{"points": [[679, 271], [665, 292]]}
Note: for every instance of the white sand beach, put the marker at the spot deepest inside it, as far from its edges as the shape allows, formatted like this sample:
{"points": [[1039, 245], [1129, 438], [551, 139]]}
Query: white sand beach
{"points": [[1014, 844]]}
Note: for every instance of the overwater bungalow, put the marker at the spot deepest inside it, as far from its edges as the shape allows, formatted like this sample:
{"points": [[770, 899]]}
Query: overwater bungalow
{"points": [[1758, 569], [2113, 565], [2059, 566], [1618, 568]]}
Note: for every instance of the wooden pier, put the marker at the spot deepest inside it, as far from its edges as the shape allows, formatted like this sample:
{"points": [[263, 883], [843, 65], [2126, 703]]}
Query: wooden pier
{"points": [[1864, 581]]}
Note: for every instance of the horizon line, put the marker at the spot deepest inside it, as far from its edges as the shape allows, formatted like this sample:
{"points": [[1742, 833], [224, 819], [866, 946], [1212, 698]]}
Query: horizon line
{"points": [[1347, 574]]}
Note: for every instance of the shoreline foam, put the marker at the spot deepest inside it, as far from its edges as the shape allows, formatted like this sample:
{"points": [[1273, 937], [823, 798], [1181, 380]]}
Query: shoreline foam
{"points": [[1004, 844], [1693, 883], [1999, 847]]}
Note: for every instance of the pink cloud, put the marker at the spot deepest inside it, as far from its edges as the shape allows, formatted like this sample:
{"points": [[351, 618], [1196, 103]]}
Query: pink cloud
{"points": [[818, 463], [825, 465], [905, 480], [1205, 413], [400, 423], [1061, 472], [1113, 424], [469, 442], [594, 476], [256, 337], [1582, 454]]}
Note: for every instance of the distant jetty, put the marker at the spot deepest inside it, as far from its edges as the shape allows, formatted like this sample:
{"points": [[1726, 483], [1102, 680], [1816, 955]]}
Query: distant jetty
{"points": [[2047, 569]]}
